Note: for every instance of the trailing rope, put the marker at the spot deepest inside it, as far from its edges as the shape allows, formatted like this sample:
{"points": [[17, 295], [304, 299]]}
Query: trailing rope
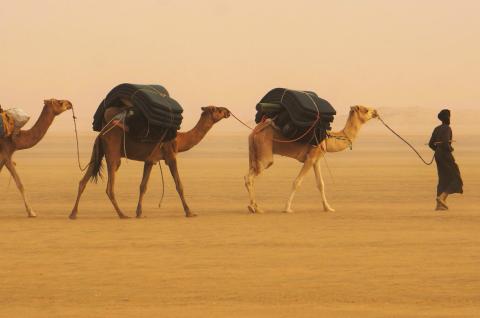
{"points": [[405, 141], [163, 184]]}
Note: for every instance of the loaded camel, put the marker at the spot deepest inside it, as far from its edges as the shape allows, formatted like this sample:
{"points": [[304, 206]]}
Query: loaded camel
{"points": [[26, 139], [111, 146], [263, 145]]}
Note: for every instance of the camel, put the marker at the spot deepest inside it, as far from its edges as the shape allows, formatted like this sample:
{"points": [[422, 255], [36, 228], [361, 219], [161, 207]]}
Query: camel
{"points": [[26, 139], [264, 143], [111, 146]]}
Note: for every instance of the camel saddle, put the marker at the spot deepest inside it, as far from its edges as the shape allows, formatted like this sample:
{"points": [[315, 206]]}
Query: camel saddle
{"points": [[153, 114], [297, 114]]}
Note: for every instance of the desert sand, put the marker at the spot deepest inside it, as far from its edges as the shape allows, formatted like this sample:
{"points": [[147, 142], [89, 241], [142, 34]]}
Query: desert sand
{"points": [[384, 253]]}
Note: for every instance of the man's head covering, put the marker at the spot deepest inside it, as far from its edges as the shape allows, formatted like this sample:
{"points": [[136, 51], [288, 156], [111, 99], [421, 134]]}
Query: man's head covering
{"points": [[444, 116]]}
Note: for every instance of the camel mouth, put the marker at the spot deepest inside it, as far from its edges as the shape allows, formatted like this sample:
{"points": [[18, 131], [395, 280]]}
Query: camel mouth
{"points": [[375, 114]]}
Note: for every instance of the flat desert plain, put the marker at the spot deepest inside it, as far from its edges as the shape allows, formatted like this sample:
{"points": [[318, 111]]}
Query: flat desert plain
{"points": [[384, 253]]}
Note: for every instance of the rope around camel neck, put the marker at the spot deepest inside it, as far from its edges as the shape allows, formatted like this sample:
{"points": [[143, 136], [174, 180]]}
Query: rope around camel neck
{"points": [[405, 141]]}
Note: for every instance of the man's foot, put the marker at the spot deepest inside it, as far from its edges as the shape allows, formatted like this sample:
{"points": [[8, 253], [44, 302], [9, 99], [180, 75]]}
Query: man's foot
{"points": [[441, 208], [441, 203]]}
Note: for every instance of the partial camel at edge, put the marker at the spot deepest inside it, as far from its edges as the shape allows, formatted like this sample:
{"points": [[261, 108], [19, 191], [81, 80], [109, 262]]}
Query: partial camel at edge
{"points": [[26, 139], [112, 146], [264, 143]]}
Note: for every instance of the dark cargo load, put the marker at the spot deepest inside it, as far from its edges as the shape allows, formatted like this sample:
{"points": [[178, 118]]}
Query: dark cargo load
{"points": [[297, 113], [154, 114]]}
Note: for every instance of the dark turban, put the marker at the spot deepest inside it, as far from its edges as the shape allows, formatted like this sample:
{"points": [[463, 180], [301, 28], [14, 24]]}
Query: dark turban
{"points": [[444, 116]]}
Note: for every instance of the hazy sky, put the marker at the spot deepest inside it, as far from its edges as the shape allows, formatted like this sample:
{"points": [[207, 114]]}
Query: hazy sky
{"points": [[230, 53]]}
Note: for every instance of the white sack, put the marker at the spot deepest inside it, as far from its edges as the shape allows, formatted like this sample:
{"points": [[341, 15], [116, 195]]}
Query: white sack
{"points": [[20, 117]]}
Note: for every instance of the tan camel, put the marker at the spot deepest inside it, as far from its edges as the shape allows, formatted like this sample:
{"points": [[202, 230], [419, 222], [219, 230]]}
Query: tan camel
{"points": [[27, 139], [111, 146], [263, 145]]}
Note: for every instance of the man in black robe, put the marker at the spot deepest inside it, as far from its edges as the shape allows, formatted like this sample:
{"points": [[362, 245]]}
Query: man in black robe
{"points": [[449, 178]]}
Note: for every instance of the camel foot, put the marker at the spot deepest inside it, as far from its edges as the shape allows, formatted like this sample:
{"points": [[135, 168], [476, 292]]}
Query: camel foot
{"points": [[72, 216], [123, 216], [288, 211], [328, 209], [190, 214], [32, 214], [140, 216], [255, 209]]}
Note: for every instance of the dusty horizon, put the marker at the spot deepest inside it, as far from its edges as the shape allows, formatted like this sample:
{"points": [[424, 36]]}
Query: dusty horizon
{"points": [[386, 54]]}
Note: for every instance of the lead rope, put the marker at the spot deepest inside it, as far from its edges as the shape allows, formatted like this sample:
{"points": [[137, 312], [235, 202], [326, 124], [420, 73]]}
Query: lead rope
{"points": [[405, 141], [102, 132], [76, 139]]}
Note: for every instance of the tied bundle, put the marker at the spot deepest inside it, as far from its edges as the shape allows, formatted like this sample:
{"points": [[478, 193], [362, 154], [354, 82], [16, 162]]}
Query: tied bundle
{"points": [[152, 114], [298, 114]]}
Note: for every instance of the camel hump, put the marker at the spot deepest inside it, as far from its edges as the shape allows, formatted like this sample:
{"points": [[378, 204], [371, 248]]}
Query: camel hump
{"points": [[262, 125]]}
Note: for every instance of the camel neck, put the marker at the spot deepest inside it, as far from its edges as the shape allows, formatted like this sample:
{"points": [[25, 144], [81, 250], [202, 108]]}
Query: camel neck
{"points": [[344, 138], [189, 139], [29, 138], [352, 126]]}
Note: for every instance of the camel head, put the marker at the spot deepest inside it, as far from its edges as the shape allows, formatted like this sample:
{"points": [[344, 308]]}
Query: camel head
{"points": [[364, 113], [216, 113], [57, 106]]}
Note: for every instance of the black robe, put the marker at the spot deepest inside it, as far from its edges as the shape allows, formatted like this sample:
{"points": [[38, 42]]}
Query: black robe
{"points": [[449, 178]]}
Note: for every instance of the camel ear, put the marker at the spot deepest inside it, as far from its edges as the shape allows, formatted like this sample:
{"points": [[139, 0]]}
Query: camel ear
{"points": [[355, 108], [208, 108]]}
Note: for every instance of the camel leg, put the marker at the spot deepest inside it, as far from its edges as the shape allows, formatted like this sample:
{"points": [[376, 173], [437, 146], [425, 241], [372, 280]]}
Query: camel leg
{"points": [[2, 163], [172, 165], [112, 166], [11, 167], [296, 184], [81, 187], [321, 186], [250, 185], [147, 169]]}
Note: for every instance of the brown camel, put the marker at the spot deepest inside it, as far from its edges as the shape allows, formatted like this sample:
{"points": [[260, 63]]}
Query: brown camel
{"points": [[25, 139], [112, 147], [263, 145]]}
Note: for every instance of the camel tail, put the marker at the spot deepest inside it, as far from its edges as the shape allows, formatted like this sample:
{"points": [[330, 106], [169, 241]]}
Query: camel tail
{"points": [[96, 161]]}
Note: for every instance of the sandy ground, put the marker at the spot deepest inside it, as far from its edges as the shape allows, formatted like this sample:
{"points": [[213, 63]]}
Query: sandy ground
{"points": [[384, 253]]}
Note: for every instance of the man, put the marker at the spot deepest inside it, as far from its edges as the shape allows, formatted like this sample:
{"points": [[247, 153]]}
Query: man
{"points": [[449, 178]]}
